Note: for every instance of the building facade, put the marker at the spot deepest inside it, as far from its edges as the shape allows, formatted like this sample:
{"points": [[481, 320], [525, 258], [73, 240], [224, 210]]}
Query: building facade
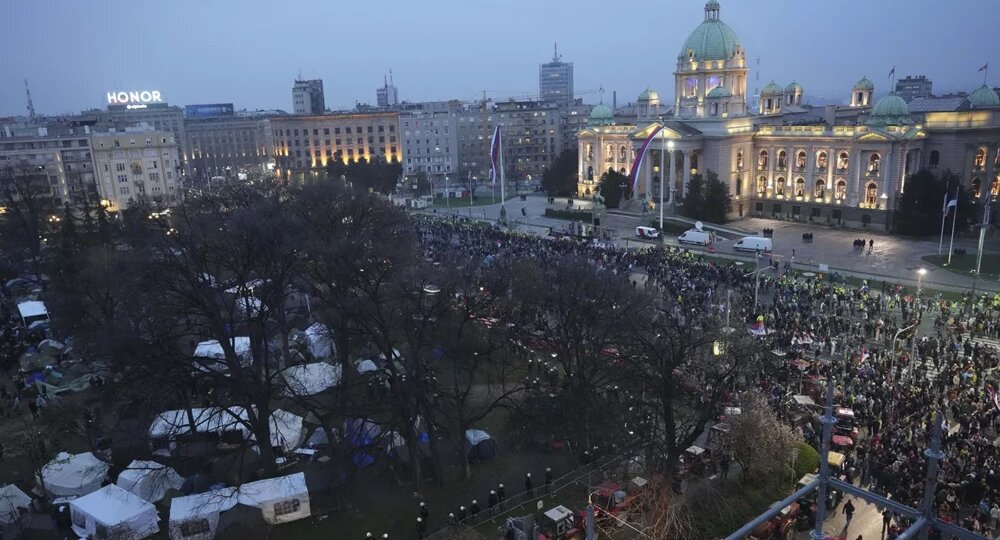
{"points": [[555, 80], [308, 98], [912, 87], [430, 139], [475, 133], [843, 165], [159, 116], [65, 157], [139, 163], [387, 96], [224, 144], [305, 143]]}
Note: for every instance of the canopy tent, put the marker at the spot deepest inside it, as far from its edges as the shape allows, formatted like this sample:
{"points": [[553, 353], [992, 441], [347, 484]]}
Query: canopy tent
{"points": [[287, 431], [31, 311], [310, 379], [480, 447], [280, 500], [12, 499], [149, 480], [112, 512], [366, 366], [320, 339], [72, 475], [212, 350], [196, 517]]}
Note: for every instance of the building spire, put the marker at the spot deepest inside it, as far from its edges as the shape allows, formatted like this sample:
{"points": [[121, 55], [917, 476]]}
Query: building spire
{"points": [[555, 52], [31, 106], [390, 77]]}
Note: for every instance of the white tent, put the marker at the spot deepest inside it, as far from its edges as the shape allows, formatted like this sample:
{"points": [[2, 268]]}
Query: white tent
{"points": [[213, 349], [196, 517], [320, 341], [12, 499], [73, 475], [113, 512], [149, 480], [32, 311], [310, 379], [366, 366], [286, 428], [280, 500]]}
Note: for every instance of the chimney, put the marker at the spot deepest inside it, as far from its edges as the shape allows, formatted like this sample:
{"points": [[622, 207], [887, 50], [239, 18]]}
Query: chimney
{"points": [[614, 100]]}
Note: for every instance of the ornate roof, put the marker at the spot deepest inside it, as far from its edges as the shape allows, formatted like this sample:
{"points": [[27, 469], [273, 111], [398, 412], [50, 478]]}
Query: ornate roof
{"points": [[720, 92], [890, 110], [601, 115], [793, 87], [984, 96], [864, 84], [648, 95], [771, 88], [712, 39]]}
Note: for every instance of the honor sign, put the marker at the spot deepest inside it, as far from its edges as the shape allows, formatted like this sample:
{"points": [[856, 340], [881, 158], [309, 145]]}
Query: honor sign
{"points": [[134, 100]]}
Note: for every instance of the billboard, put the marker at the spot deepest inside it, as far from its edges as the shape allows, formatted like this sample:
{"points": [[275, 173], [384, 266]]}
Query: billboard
{"points": [[209, 110]]}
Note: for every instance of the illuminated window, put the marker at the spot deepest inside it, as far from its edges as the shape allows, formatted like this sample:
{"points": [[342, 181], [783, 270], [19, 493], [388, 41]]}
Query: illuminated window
{"points": [[842, 161], [980, 162], [761, 185], [800, 187], [286, 507], [622, 154], [739, 160], [782, 160], [819, 189], [779, 188], [840, 190], [995, 187], [871, 193], [873, 163], [762, 160], [800, 160], [821, 161]]}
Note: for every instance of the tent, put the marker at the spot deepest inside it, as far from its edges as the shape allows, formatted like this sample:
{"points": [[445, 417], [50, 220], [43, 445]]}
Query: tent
{"points": [[320, 340], [479, 446], [196, 517], [310, 379], [212, 350], [149, 480], [287, 431], [366, 366], [73, 475], [112, 512], [12, 500], [280, 500], [32, 311]]}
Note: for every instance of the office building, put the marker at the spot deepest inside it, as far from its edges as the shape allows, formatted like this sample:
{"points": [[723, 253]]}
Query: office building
{"points": [[555, 80], [307, 143], [63, 156], [223, 142], [430, 139], [134, 164], [474, 133], [160, 116], [531, 137], [307, 97], [912, 87], [387, 96]]}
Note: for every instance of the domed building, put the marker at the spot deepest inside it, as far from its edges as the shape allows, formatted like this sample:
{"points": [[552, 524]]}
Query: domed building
{"points": [[843, 165]]}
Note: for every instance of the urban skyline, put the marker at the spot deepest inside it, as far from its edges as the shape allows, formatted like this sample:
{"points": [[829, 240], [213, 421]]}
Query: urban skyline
{"points": [[254, 71]]}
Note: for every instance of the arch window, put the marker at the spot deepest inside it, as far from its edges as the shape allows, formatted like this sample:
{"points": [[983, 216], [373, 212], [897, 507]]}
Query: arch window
{"points": [[819, 189], [782, 160], [715, 109], [622, 153], [739, 160], [800, 160], [762, 159], [611, 153], [995, 187], [779, 187], [977, 187], [590, 173], [842, 159], [874, 162], [996, 160], [739, 186], [590, 151], [840, 190], [871, 193], [622, 170], [980, 162], [761, 185], [821, 161], [934, 159], [800, 187]]}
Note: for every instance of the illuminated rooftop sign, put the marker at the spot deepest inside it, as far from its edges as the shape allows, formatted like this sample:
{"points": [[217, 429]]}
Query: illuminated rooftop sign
{"points": [[141, 97]]}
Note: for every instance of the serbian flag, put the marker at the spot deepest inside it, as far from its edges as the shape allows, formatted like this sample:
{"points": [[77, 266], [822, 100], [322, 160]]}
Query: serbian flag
{"points": [[758, 328], [495, 155], [993, 396], [637, 164]]}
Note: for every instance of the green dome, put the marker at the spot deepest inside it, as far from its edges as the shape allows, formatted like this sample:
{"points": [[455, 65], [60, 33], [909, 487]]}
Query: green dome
{"points": [[771, 88], [792, 88], [864, 84], [984, 96], [601, 115], [889, 110], [713, 39], [720, 92], [648, 95]]}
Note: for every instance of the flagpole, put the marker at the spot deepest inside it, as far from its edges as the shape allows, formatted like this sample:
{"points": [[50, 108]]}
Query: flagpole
{"points": [[944, 215], [952, 242], [503, 173]]}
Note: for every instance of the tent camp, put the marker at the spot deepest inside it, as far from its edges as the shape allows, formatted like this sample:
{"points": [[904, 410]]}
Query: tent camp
{"points": [[112, 512], [196, 517], [71, 475], [310, 379], [480, 447], [12, 500], [149, 480], [212, 350], [321, 344], [280, 500], [287, 432], [32, 311]]}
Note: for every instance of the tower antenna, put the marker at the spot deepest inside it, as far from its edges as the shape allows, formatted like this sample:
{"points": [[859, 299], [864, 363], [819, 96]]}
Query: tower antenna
{"points": [[31, 106], [555, 52]]}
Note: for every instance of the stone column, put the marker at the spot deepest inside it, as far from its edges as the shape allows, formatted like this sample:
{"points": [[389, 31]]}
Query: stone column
{"points": [[672, 165], [854, 183], [989, 172], [686, 172]]}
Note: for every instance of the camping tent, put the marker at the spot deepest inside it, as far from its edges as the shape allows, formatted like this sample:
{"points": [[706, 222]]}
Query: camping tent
{"points": [[320, 341], [287, 431], [286, 428], [196, 517], [32, 311], [12, 499], [212, 350], [479, 446], [310, 379], [149, 480], [113, 512], [366, 366], [73, 475], [280, 500]]}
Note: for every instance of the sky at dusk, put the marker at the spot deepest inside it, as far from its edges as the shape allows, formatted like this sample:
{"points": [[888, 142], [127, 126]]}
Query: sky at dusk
{"points": [[249, 51]]}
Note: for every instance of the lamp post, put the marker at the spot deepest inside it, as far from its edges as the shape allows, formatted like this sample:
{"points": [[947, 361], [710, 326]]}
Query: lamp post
{"points": [[663, 174], [447, 194], [920, 279], [892, 369]]}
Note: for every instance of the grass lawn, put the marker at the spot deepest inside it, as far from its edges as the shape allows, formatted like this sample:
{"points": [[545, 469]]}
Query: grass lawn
{"points": [[463, 202], [964, 264]]}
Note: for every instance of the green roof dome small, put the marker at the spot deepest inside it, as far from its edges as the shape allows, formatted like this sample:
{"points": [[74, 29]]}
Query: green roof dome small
{"points": [[890, 110], [712, 39], [648, 95], [720, 92], [601, 115], [864, 84], [771, 88], [792, 88], [984, 96]]}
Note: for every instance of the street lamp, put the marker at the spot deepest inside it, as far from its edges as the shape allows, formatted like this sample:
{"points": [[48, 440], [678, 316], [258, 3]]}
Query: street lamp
{"points": [[663, 174], [920, 278]]}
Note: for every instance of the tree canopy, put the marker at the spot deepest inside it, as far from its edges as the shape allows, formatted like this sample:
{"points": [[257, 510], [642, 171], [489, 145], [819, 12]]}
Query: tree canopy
{"points": [[707, 198], [920, 206], [614, 187], [559, 178]]}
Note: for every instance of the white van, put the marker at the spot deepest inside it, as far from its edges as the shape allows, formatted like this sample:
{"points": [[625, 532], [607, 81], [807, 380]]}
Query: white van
{"points": [[753, 243], [694, 236], [647, 232]]}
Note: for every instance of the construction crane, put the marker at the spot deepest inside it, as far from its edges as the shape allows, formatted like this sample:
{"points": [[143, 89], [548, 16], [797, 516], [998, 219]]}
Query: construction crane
{"points": [[31, 106]]}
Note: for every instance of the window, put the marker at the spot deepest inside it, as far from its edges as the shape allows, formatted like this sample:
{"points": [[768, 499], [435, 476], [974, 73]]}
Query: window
{"points": [[326, 131], [819, 190], [980, 162], [590, 152], [762, 160], [934, 159], [779, 187], [196, 527], [761, 185], [122, 178], [842, 162], [154, 177], [995, 187], [821, 161], [739, 160], [622, 153], [123, 190], [841, 190], [119, 167], [800, 187], [873, 164], [782, 160], [590, 173], [871, 194]]}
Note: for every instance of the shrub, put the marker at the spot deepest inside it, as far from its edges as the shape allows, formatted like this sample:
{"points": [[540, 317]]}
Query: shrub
{"points": [[806, 460]]}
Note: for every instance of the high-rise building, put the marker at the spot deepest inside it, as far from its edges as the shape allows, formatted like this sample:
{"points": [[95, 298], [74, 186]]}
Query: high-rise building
{"points": [[475, 132], [532, 135], [555, 80], [430, 139], [911, 87], [387, 96], [307, 97]]}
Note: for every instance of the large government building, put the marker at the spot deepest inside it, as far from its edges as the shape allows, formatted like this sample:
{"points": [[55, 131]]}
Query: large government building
{"points": [[838, 164]]}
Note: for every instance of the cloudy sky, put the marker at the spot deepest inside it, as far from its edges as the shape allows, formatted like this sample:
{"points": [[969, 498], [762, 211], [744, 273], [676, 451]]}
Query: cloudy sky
{"points": [[249, 51]]}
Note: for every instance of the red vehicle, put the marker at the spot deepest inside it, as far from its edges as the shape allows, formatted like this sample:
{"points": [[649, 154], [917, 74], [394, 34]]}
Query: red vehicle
{"points": [[783, 523], [845, 423]]}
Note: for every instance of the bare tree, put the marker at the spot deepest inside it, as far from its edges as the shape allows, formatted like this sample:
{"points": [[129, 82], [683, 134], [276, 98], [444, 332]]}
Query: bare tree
{"points": [[762, 443]]}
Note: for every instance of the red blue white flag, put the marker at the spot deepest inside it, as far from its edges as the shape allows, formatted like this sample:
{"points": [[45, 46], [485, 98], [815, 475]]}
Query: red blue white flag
{"points": [[495, 155], [637, 164]]}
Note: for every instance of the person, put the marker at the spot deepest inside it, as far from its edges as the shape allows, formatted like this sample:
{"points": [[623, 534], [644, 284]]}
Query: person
{"points": [[871, 245], [501, 495], [528, 486], [994, 513], [886, 520], [548, 480], [493, 502], [474, 509], [423, 511], [849, 511]]}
